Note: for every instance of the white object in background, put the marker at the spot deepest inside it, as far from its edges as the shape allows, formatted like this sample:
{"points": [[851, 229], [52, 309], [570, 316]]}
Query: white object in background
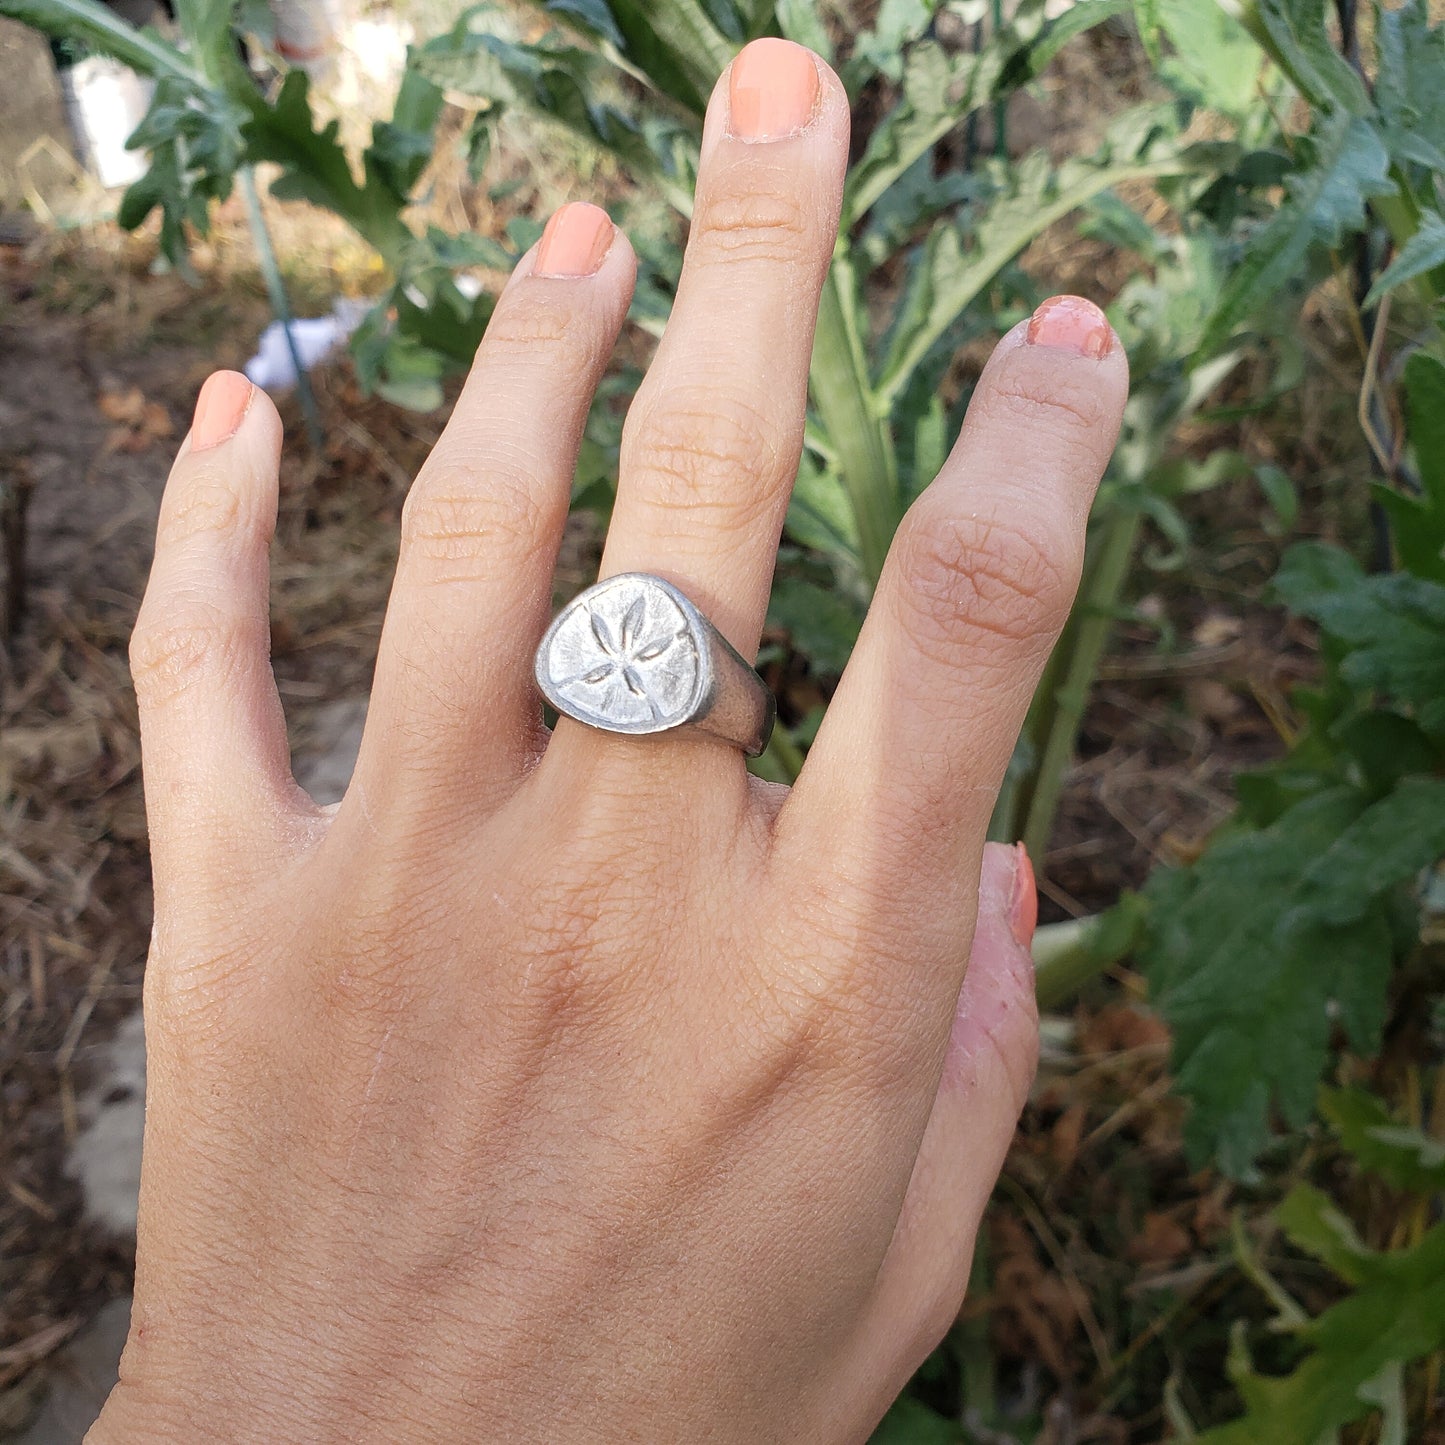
{"points": [[306, 32], [106, 1155], [315, 338], [106, 101]]}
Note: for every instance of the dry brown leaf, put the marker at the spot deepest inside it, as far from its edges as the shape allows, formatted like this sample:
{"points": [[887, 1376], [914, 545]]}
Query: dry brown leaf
{"points": [[1160, 1240], [139, 423], [1121, 1029], [125, 406], [1065, 1135], [1033, 1316]]}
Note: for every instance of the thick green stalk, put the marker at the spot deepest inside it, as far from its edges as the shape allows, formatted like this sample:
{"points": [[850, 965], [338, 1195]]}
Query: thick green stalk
{"points": [[1088, 635], [100, 28], [853, 420], [1070, 954]]}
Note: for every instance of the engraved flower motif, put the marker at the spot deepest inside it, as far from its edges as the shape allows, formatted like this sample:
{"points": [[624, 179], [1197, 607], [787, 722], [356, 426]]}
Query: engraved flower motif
{"points": [[626, 649]]}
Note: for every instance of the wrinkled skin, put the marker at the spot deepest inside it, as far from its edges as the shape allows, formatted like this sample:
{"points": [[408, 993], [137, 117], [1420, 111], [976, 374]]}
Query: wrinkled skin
{"points": [[584, 1088]]}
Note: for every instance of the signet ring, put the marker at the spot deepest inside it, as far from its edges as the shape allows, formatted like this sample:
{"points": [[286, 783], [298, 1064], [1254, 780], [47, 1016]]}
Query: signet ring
{"points": [[634, 655]]}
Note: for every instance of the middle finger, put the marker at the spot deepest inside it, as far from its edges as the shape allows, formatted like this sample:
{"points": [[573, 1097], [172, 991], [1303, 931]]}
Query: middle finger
{"points": [[711, 445]]}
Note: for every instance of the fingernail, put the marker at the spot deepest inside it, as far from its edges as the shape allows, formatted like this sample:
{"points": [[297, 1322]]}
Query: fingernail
{"points": [[575, 242], [1024, 908], [1072, 324], [220, 409], [772, 90]]}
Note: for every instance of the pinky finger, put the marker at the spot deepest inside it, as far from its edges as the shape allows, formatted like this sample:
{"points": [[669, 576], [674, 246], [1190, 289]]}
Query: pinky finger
{"points": [[213, 738]]}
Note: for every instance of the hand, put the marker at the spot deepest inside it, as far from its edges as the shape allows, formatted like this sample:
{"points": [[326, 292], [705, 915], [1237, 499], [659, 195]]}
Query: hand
{"points": [[585, 1088]]}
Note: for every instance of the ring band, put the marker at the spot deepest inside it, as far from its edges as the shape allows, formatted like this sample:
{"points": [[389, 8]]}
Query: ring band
{"points": [[634, 655]]}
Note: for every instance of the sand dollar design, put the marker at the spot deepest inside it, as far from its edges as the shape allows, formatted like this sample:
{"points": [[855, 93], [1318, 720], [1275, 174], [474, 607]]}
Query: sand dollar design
{"points": [[625, 656]]}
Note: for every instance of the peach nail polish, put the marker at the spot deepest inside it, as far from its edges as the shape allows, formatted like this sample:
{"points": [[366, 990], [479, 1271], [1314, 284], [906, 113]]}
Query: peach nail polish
{"points": [[1072, 324], [1024, 909], [220, 409], [575, 242], [772, 90]]}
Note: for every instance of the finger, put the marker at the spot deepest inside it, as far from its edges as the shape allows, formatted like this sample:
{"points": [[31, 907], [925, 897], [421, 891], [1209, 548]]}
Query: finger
{"points": [[712, 441], [217, 766], [987, 1073], [895, 797], [454, 695]]}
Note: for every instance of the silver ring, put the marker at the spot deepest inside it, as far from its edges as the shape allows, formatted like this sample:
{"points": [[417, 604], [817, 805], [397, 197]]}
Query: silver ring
{"points": [[634, 655]]}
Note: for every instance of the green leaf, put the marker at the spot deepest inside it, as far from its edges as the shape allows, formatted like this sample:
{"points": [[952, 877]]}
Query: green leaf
{"points": [[800, 22], [1418, 522], [552, 79], [1311, 1221], [1423, 252], [1294, 34], [401, 147], [1385, 746], [677, 45], [819, 515], [592, 15], [910, 1422], [1395, 1315], [1391, 628], [103, 31], [881, 49], [941, 89], [1082, 15], [1213, 61], [1030, 196], [315, 167], [1404, 1157], [1407, 89], [1347, 165], [1151, 29], [1425, 414], [1250, 979], [821, 621], [1390, 842], [206, 24], [1281, 494]]}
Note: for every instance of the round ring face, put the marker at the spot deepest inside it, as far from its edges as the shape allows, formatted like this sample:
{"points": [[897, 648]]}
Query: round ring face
{"points": [[625, 656]]}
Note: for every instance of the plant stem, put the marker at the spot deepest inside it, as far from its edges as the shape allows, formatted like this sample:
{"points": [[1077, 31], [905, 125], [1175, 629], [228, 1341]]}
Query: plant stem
{"points": [[1063, 709], [1070, 954], [853, 420], [280, 305]]}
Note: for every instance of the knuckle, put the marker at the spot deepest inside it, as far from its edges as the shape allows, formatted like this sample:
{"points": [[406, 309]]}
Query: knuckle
{"points": [[1014, 1041], [534, 330], [207, 504], [1060, 402], [971, 576], [712, 451], [196, 639], [744, 218], [465, 523]]}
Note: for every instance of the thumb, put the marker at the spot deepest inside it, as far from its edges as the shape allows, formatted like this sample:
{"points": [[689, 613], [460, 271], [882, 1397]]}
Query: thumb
{"points": [[987, 1073]]}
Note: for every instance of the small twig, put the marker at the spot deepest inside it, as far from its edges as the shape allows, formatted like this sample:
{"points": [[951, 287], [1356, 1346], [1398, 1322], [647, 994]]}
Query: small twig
{"points": [[374, 449], [280, 305], [1368, 383], [78, 1020], [15, 493], [1078, 1295]]}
